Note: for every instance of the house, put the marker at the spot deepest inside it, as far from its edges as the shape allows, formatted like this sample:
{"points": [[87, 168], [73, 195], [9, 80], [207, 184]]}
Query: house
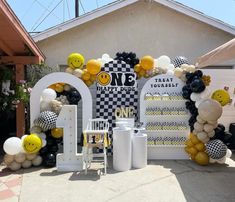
{"points": [[155, 27], [17, 49]]}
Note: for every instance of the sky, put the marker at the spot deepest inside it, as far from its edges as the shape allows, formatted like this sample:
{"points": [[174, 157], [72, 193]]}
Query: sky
{"points": [[35, 14]]}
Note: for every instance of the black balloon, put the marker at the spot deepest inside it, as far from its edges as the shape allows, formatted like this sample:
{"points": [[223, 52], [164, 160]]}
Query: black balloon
{"points": [[73, 97], [221, 126], [197, 86], [198, 73], [129, 58], [49, 160]]}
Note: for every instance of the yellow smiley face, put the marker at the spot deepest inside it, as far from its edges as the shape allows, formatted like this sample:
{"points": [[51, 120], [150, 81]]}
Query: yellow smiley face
{"points": [[222, 96], [75, 61], [32, 143], [103, 78]]}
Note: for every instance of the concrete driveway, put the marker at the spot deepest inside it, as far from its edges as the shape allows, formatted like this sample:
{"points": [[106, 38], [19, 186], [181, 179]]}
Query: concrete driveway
{"points": [[159, 181]]}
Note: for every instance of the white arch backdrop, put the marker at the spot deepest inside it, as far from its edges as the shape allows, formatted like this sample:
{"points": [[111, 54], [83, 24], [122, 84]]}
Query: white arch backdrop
{"points": [[70, 79]]}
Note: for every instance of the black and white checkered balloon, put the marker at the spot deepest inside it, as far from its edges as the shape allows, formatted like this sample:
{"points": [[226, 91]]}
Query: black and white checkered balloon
{"points": [[179, 60], [46, 120], [216, 149]]}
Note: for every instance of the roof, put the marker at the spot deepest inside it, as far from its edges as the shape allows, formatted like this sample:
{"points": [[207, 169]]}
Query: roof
{"points": [[16, 45], [122, 3]]}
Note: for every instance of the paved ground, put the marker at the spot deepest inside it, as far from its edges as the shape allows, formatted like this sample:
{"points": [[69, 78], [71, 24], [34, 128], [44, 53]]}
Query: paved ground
{"points": [[159, 181]]}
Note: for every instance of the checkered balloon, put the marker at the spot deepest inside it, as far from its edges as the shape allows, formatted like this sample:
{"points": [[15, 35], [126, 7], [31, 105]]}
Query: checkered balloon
{"points": [[216, 149], [179, 60], [46, 120]]}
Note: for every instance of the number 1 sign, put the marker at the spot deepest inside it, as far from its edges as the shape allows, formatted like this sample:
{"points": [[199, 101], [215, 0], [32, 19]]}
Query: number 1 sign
{"points": [[70, 160]]}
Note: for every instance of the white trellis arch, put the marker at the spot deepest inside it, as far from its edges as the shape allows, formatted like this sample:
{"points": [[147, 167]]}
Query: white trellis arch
{"points": [[70, 79]]}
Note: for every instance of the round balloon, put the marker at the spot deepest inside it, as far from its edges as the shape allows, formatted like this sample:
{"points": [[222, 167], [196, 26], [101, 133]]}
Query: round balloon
{"points": [[147, 62], [179, 60], [202, 158], [57, 132], [216, 149], [222, 96], [93, 66], [32, 144], [164, 61], [46, 120], [48, 95], [12, 145], [75, 60], [209, 110]]}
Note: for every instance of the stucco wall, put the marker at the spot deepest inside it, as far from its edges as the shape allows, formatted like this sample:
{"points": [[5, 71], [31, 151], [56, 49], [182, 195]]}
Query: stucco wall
{"points": [[145, 28]]}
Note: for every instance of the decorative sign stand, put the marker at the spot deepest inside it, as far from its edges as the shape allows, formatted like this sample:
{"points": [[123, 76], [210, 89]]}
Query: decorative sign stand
{"points": [[116, 91], [163, 112], [67, 118]]}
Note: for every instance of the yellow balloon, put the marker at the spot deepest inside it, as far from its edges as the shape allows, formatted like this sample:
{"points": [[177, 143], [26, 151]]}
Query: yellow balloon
{"points": [[93, 66], [53, 86], [32, 143], [88, 83], [193, 151], [137, 68], [222, 96], [86, 75], [147, 62], [57, 132], [189, 143], [93, 78], [202, 158], [141, 72], [59, 88], [194, 138], [75, 60], [200, 146]]}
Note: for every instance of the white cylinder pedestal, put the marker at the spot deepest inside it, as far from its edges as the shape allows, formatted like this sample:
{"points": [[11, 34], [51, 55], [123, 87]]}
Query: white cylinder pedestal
{"points": [[122, 149], [139, 150]]}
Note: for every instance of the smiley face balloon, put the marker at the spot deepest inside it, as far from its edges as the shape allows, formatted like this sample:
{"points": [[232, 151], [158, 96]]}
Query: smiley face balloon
{"points": [[32, 144], [103, 78], [222, 96], [75, 61]]}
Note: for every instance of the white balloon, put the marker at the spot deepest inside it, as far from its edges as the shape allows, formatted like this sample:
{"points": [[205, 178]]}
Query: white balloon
{"points": [[170, 72], [20, 158], [105, 56], [205, 94], [211, 134], [198, 127], [164, 61], [171, 67], [200, 120], [36, 129], [22, 138], [14, 166], [44, 142], [202, 136], [37, 161], [178, 72], [69, 70], [26, 164], [78, 73], [45, 106], [48, 94], [212, 160], [12, 145], [228, 153], [198, 102], [222, 160], [210, 110], [195, 97], [8, 159]]}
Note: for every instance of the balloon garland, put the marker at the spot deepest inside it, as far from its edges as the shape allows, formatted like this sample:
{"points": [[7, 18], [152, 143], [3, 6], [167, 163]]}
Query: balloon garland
{"points": [[207, 143]]}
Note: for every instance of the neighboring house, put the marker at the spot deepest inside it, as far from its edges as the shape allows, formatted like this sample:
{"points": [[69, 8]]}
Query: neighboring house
{"points": [[154, 27]]}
